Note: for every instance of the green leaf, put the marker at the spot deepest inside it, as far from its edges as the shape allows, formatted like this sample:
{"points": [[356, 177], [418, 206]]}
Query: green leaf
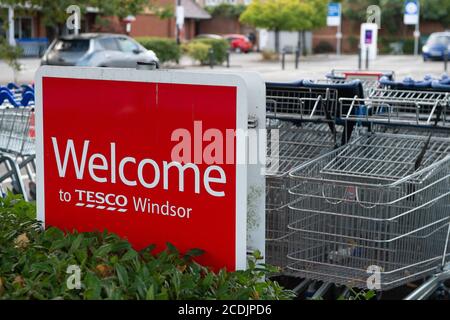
{"points": [[93, 287], [171, 248], [76, 243], [103, 250], [122, 275], [130, 255], [150, 293], [41, 267], [194, 253]]}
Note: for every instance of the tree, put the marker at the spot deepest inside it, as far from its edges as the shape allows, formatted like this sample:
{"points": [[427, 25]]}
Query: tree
{"points": [[54, 13], [285, 15], [392, 11], [10, 55], [436, 10]]}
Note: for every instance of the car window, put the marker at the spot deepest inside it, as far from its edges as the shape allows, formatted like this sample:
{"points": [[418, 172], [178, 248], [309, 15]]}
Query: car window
{"points": [[72, 45], [442, 40], [126, 45], [109, 44]]}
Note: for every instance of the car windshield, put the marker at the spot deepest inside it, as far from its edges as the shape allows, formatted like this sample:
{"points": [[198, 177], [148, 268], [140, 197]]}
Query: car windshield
{"points": [[438, 39], [78, 45]]}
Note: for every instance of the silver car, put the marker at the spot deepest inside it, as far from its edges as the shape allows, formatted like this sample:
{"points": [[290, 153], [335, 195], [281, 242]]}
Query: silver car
{"points": [[97, 50]]}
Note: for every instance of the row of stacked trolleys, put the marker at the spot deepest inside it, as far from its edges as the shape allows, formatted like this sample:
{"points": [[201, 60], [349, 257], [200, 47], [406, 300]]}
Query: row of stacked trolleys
{"points": [[358, 188], [17, 140], [358, 185]]}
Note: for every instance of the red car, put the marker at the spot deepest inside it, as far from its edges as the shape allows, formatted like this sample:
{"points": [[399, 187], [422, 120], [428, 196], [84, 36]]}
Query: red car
{"points": [[239, 43]]}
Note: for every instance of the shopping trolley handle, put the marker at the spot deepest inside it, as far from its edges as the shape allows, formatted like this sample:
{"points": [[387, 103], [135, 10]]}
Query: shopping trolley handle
{"points": [[27, 97], [5, 95]]}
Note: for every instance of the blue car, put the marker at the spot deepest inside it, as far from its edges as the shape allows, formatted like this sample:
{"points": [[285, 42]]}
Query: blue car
{"points": [[434, 48]]}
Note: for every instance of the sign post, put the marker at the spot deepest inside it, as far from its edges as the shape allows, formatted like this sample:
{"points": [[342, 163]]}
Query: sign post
{"points": [[154, 157], [179, 15], [334, 19], [412, 17]]}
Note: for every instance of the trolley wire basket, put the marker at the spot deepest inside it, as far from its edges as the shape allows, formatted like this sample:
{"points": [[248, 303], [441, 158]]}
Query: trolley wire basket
{"points": [[381, 201], [399, 107], [368, 84], [289, 145], [17, 131], [306, 104]]}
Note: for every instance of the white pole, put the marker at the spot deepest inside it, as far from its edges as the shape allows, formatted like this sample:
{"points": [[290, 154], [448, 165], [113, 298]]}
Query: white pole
{"points": [[339, 39], [417, 31], [11, 32]]}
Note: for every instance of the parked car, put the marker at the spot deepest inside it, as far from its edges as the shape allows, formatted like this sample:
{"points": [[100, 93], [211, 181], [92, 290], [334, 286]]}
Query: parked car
{"points": [[434, 48], [239, 43], [208, 36], [97, 50]]}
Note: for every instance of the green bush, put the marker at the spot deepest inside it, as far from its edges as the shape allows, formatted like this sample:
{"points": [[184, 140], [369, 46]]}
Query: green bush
{"points": [[197, 50], [166, 49], [219, 47], [269, 55], [34, 265], [408, 44]]}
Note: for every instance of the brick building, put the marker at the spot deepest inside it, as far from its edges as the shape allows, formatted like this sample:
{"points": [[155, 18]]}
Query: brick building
{"points": [[29, 25], [148, 24]]}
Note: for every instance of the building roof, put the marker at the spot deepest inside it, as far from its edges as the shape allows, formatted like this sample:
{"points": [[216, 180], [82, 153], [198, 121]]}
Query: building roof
{"points": [[193, 11]]}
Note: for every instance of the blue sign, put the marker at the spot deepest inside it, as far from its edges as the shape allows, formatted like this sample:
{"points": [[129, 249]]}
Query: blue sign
{"points": [[334, 14], [334, 9], [411, 12], [411, 7]]}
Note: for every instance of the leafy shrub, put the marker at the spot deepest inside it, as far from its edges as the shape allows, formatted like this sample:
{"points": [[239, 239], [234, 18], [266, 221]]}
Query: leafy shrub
{"points": [[34, 264], [408, 44], [323, 47], [197, 50], [166, 49], [219, 47], [269, 55]]}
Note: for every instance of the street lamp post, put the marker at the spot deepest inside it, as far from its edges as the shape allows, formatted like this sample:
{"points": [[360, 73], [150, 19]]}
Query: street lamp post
{"points": [[417, 31], [178, 29], [11, 39]]}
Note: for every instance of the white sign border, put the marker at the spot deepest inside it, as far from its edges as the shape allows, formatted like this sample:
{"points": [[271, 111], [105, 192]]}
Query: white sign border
{"points": [[160, 76]]}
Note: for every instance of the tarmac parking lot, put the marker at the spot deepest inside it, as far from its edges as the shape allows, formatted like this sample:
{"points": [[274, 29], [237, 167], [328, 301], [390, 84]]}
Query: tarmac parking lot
{"points": [[310, 67]]}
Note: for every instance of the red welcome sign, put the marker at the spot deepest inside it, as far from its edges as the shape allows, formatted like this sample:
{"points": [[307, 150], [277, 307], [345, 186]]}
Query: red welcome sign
{"points": [[109, 157]]}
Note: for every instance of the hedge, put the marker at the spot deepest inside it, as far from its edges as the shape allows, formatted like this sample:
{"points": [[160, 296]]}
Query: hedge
{"points": [[198, 51], [219, 47], [34, 265], [166, 49]]}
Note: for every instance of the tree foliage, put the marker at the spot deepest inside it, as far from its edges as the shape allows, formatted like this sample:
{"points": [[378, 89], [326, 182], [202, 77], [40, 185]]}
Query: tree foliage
{"points": [[288, 15], [226, 10], [54, 13], [392, 11]]}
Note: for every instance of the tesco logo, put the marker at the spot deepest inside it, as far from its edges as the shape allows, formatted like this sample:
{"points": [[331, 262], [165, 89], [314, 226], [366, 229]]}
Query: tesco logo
{"points": [[108, 169]]}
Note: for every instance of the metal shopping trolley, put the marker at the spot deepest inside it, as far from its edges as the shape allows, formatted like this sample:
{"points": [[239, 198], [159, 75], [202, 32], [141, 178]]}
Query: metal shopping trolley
{"points": [[300, 103], [300, 127], [410, 109], [379, 204], [289, 145], [369, 79], [17, 145]]}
